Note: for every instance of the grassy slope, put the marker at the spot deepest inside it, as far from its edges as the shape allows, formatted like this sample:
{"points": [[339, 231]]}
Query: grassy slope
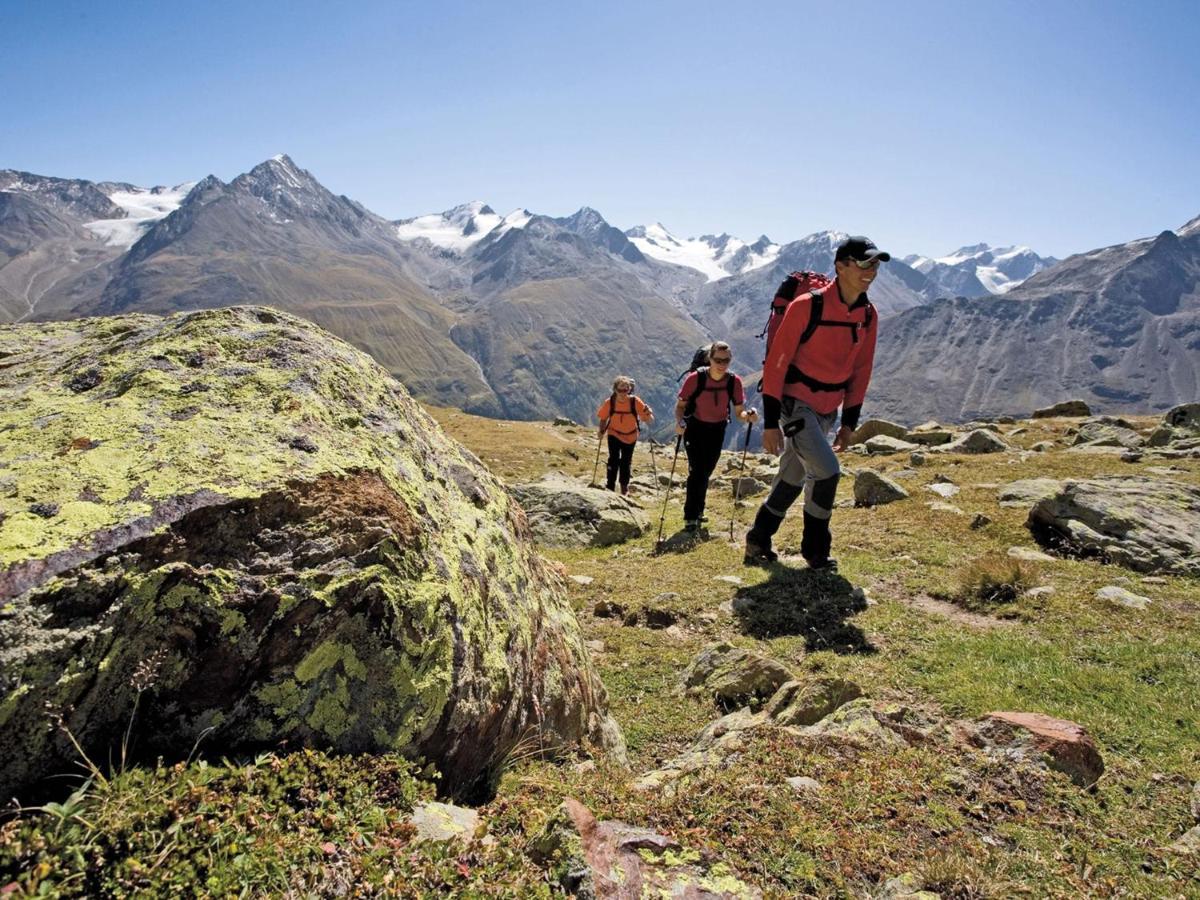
{"points": [[966, 829]]}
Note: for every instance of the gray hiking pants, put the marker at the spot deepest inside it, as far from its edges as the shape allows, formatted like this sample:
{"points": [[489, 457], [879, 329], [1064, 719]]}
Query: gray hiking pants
{"points": [[808, 462]]}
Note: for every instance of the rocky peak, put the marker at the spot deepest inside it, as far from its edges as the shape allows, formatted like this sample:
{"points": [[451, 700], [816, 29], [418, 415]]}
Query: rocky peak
{"points": [[76, 198]]}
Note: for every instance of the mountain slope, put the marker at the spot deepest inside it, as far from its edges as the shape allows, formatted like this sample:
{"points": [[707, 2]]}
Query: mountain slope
{"points": [[979, 270], [1118, 327]]}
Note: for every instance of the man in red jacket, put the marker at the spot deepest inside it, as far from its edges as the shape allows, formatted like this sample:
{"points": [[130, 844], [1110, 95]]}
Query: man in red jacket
{"points": [[816, 363]]}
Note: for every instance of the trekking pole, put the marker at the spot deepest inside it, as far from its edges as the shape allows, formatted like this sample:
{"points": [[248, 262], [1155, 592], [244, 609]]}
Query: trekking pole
{"points": [[653, 465], [596, 467], [737, 485], [670, 483]]}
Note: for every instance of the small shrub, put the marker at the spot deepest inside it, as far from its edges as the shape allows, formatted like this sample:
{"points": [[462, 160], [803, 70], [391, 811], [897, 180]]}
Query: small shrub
{"points": [[993, 579]]}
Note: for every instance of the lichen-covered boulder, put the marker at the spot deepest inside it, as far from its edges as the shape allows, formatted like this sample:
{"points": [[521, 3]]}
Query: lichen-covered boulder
{"points": [[254, 526], [563, 512], [734, 676], [1142, 523], [1185, 416]]}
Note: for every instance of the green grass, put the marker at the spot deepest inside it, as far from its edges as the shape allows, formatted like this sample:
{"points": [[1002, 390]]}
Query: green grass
{"points": [[963, 825]]}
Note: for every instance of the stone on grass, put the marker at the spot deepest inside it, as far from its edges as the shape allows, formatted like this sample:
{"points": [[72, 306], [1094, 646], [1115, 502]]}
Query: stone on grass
{"points": [[916, 458], [1028, 490], [1188, 843], [1099, 434], [379, 594], [882, 444], [803, 785], [1119, 595], [563, 512], [802, 703], [930, 438], [1024, 553], [734, 676], [981, 440], [745, 486], [979, 521], [1185, 416], [599, 859], [875, 427], [1067, 408], [1059, 744], [583, 580], [945, 491], [445, 822], [905, 887], [1144, 524], [873, 489], [1043, 446], [872, 724]]}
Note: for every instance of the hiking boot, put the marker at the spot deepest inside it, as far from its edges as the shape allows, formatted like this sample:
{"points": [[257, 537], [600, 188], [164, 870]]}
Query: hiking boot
{"points": [[828, 564], [758, 555], [691, 526], [624, 490]]}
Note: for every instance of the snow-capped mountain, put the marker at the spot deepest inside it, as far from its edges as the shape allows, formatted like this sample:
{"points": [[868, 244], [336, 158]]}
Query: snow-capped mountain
{"points": [[460, 228], [715, 256], [980, 269]]}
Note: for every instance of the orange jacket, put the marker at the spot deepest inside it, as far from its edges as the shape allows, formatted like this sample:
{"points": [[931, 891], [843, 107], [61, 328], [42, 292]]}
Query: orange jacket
{"points": [[621, 424]]}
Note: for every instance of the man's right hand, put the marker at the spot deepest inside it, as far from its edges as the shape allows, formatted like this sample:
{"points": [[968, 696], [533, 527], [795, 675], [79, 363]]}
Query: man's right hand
{"points": [[773, 440]]}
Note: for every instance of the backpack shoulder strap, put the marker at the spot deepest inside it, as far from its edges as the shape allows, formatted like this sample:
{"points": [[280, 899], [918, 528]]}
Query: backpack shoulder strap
{"points": [[612, 406], [816, 307], [633, 402]]}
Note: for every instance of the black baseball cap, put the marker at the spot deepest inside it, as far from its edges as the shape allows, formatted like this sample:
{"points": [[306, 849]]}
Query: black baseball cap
{"points": [[860, 248]]}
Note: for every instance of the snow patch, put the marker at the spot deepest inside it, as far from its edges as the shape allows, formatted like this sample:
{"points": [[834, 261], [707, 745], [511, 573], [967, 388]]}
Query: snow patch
{"points": [[144, 207], [715, 257], [460, 228]]}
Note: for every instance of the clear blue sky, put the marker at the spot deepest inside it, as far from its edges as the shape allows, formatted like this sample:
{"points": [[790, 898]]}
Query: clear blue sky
{"points": [[1062, 125]]}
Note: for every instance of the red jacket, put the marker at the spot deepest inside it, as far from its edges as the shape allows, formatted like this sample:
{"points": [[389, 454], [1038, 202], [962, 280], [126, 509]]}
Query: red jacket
{"points": [[831, 355]]}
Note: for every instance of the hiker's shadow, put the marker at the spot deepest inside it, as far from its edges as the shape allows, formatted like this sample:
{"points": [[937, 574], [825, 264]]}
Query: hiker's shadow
{"points": [[682, 541], [803, 602]]}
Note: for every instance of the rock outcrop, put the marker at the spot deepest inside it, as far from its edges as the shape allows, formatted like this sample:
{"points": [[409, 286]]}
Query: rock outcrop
{"points": [[565, 513], [1142, 523], [247, 528]]}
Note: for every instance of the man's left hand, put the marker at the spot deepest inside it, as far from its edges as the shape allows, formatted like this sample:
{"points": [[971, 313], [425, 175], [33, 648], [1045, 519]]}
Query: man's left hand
{"points": [[842, 439]]}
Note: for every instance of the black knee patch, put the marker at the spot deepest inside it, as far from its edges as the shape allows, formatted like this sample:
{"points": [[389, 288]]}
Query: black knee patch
{"points": [[782, 496], [824, 490]]}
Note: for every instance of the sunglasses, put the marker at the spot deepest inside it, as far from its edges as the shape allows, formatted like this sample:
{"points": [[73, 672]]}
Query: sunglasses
{"points": [[624, 390], [721, 360], [866, 263]]}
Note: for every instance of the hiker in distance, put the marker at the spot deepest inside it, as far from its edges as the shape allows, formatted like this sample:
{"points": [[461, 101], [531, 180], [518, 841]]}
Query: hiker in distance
{"points": [[819, 359], [621, 415], [701, 414]]}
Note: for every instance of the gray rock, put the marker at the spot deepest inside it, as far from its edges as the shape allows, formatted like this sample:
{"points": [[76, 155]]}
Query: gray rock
{"points": [[945, 491], [745, 486], [1044, 590], [1028, 555], [1185, 416], [1162, 436], [1141, 523], [979, 521], [563, 512], [1064, 409], [981, 440], [916, 458], [1029, 490], [905, 887], [445, 822], [734, 676], [930, 438], [873, 724], [1119, 595], [802, 703], [584, 580], [1196, 801], [1099, 434], [875, 427], [1188, 843], [939, 506], [873, 489], [803, 785], [1043, 446], [882, 444]]}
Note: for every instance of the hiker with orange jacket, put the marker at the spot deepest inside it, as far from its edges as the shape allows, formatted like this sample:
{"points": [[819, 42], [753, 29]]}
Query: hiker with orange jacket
{"points": [[819, 359], [620, 416]]}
